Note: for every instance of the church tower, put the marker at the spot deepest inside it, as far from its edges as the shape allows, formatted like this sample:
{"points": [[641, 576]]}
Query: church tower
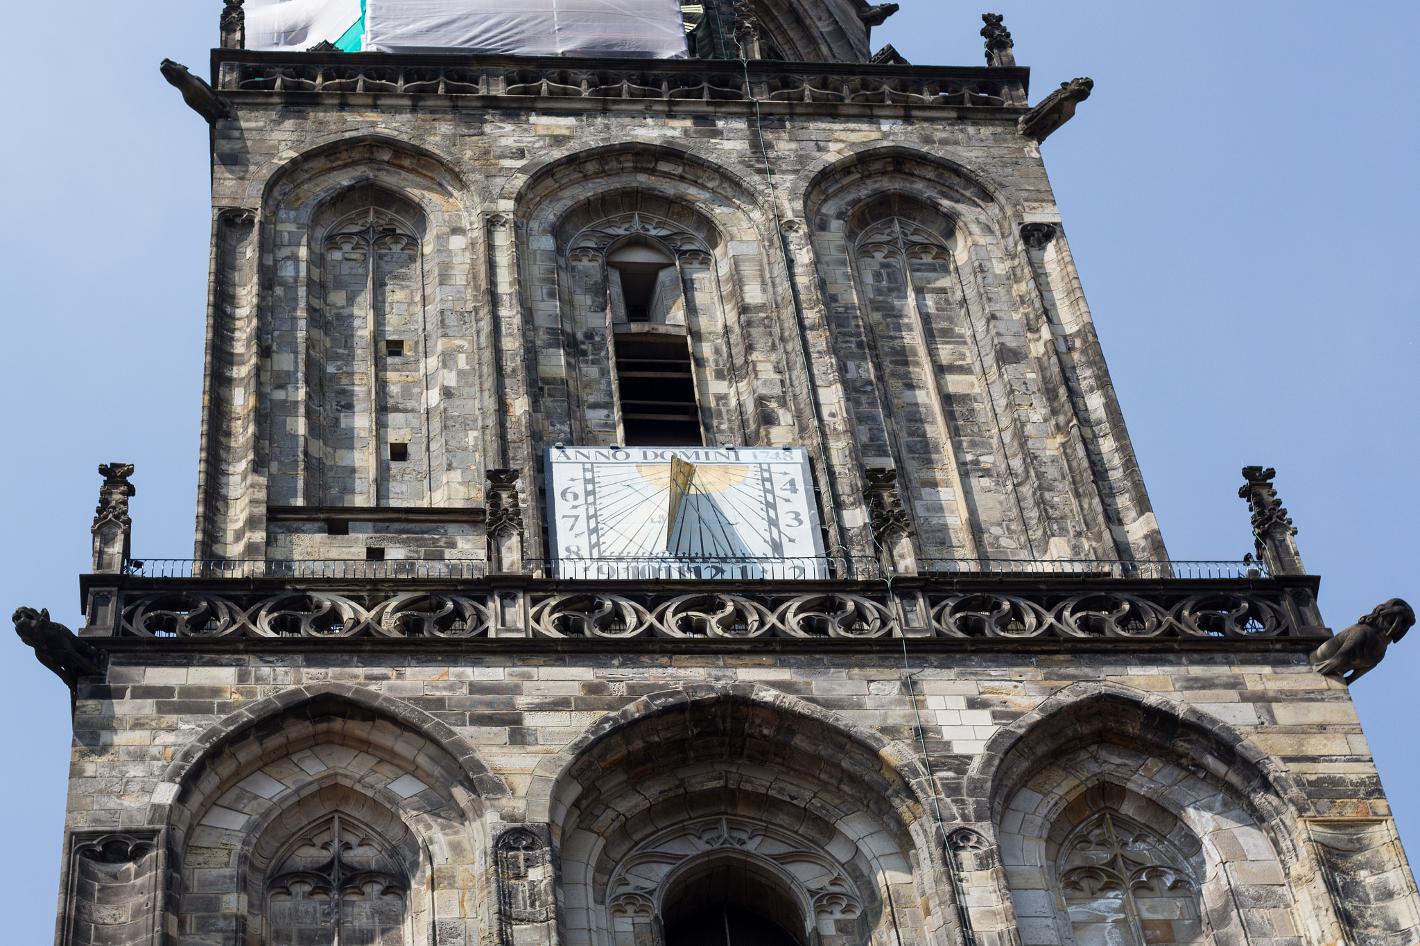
{"points": [[660, 486]]}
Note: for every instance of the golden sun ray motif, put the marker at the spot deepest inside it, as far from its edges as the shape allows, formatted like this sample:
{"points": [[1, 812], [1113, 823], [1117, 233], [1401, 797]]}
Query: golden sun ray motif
{"points": [[709, 477]]}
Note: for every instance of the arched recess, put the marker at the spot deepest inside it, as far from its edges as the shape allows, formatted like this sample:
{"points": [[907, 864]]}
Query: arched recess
{"points": [[408, 345], [1122, 815], [939, 329], [747, 352], [751, 799], [793, 30], [322, 815], [812, 30]]}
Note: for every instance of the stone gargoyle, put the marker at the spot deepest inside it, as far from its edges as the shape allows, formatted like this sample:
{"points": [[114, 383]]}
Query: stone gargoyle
{"points": [[1356, 651], [197, 92], [57, 648]]}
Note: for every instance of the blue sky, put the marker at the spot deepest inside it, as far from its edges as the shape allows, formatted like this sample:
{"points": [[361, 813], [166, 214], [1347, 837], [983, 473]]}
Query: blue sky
{"points": [[1240, 195]]}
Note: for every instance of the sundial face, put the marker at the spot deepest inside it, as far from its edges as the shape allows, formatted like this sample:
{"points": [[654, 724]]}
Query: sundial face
{"points": [[683, 512]]}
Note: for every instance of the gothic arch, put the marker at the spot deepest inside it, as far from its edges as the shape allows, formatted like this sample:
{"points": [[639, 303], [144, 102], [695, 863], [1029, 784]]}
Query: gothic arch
{"points": [[746, 346], [310, 762], [310, 701], [346, 150], [549, 174], [1089, 711], [814, 30], [939, 178], [692, 778], [969, 315], [1164, 770], [405, 328]]}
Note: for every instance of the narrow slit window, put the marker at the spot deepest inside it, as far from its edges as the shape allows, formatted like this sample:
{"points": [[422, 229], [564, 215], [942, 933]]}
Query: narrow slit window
{"points": [[374, 553], [399, 452], [394, 347]]}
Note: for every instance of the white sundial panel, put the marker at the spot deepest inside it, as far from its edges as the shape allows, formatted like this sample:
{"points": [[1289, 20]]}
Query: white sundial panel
{"points": [[683, 512]]}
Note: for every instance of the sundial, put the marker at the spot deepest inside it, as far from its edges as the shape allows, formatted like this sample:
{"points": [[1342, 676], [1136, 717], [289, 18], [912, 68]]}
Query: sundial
{"points": [[683, 512]]}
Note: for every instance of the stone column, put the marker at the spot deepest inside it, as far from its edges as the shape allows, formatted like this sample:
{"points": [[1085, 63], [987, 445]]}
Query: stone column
{"points": [[1272, 527]]}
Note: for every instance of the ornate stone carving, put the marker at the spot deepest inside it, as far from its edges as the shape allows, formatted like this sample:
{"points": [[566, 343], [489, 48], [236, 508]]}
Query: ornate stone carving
{"points": [[234, 21], [505, 521], [636, 881], [197, 93], [522, 859], [747, 30], [116, 848], [112, 527], [111, 890], [889, 520], [888, 516], [889, 56], [1099, 614], [1000, 48], [67, 657], [1037, 236], [1360, 648], [877, 14], [505, 507], [1055, 109], [1272, 526]]}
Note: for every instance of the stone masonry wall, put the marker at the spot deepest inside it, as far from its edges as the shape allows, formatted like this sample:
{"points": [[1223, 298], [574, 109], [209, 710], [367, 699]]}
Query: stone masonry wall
{"points": [[174, 743], [999, 336]]}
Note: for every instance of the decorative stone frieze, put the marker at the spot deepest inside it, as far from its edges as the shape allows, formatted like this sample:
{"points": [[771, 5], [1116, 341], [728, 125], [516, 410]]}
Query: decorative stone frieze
{"points": [[1116, 611]]}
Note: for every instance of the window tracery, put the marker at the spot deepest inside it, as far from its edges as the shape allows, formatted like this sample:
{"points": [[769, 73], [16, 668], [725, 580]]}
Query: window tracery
{"points": [[337, 883], [785, 881], [1123, 885]]}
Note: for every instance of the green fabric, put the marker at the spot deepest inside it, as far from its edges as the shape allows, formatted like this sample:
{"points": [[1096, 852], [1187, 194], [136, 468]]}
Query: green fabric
{"points": [[353, 40]]}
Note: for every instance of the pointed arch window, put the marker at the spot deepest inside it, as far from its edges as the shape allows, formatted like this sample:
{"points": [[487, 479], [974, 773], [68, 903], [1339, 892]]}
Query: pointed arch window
{"points": [[1121, 884], [337, 883], [369, 426]]}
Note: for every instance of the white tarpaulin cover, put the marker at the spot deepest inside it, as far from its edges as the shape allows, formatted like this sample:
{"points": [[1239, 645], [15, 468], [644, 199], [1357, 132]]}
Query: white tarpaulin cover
{"points": [[639, 28], [301, 24]]}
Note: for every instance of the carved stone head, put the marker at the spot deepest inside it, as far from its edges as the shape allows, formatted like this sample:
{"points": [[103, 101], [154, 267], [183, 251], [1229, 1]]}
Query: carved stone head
{"points": [[1393, 618]]}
